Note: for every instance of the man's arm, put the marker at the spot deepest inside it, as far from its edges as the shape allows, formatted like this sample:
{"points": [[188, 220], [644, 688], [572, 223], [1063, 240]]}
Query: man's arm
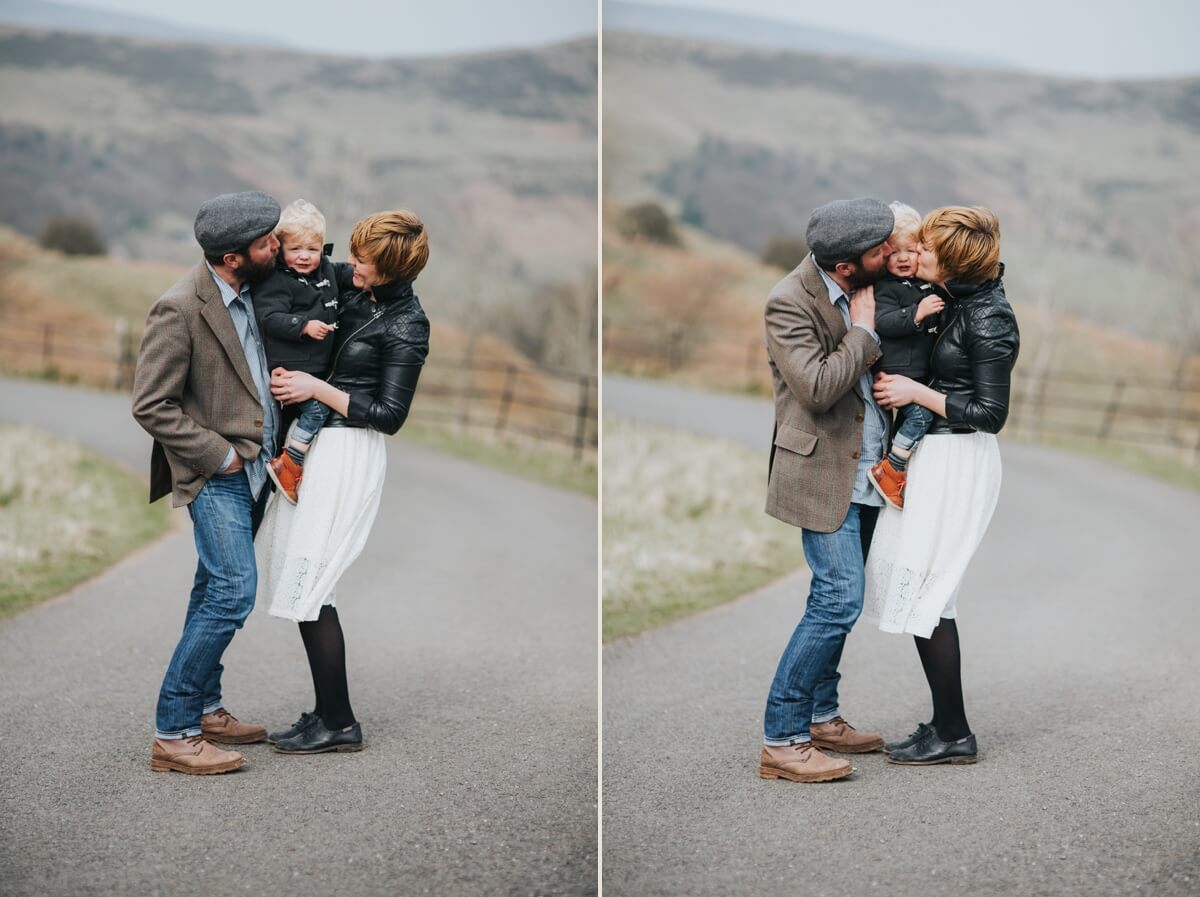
{"points": [[816, 380], [164, 363]]}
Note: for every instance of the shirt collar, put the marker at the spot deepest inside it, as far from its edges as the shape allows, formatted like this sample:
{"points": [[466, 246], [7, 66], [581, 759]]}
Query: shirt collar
{"points": [[227, 293], [835, 291]]}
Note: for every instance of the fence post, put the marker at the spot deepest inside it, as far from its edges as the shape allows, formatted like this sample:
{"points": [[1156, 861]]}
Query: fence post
{"points": [[510, 377], [464, 407], [581, 415], [752, 362], [47, 347], [1039, 406], [675, 350], [126, 362], [1111, 411]]}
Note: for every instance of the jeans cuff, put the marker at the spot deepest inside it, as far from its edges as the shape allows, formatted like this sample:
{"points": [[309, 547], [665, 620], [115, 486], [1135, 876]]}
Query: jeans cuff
{"points": [[902, 442], [302, 436], [211, 708], [190, 732], [784, 742], [825, 717]]}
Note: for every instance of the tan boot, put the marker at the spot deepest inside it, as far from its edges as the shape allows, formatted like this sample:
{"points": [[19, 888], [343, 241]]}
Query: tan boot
{"points": [[193, 756], [287, 475], [801, 763], [223, 726], [889, 483], [839, 735]]}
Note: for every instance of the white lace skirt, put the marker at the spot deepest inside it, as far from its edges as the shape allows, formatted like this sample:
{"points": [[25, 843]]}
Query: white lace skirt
{"points": [[304, 549], [919, 555]]}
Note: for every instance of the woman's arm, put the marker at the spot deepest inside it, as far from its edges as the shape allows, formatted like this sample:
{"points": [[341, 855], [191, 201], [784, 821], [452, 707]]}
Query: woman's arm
{"points": [[991, 348], [386, 407]]}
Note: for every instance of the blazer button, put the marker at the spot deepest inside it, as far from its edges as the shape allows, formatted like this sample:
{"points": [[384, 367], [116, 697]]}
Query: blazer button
{"points": [[855, 455], [858, 418], [258, 422]]}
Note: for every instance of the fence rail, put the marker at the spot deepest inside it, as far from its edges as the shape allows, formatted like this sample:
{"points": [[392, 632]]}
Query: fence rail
{"points": [[1157, 414], [548, 406]]}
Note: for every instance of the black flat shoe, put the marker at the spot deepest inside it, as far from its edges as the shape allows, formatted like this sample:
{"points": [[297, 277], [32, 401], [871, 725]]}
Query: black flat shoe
{"points": [[316, 739], [929, 749], [907, 742], [306, 720]]}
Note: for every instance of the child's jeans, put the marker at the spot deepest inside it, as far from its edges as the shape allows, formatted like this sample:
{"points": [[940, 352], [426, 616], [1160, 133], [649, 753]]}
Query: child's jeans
{"points": [[915, 421], [312, 417]]}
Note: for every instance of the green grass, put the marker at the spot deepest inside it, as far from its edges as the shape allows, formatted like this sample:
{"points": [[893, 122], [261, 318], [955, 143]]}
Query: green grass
{"points": [[1175, 472], [545, 465], [66, 514], [684, 527]]}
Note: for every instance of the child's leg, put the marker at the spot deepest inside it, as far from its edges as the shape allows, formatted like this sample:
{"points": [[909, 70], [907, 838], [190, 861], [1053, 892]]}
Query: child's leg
{"points": [[312, 417], [915, 421]]}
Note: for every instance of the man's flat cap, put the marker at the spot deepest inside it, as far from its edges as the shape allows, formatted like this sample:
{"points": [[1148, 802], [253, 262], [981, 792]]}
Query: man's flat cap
{"points": [[846, 228], [232, 221]]}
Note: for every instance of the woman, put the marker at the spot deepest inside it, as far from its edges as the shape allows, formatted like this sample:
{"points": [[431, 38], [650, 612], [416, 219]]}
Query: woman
{"points": [[382, 340], [919, 555]]}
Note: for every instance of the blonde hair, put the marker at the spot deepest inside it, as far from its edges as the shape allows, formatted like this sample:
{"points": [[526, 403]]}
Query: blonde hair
{"points": [[301, 219], [966, 241], [396, 243], [908, 220]]}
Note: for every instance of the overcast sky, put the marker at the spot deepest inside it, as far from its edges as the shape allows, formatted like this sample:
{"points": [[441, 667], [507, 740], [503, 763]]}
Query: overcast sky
{"points": [[1093, 38], [380, 27]]}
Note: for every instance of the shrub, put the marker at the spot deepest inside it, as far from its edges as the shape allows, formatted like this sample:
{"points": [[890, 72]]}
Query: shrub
{"points": [[784, 252], [648, 221], [72, 236]]}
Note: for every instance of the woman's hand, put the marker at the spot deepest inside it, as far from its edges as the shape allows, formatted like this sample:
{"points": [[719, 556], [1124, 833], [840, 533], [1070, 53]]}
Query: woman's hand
{"points": [[290, 387], [895, 390]]}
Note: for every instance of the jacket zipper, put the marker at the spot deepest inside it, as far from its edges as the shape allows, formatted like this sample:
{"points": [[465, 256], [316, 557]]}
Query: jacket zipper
{"points": [[375, 316]]}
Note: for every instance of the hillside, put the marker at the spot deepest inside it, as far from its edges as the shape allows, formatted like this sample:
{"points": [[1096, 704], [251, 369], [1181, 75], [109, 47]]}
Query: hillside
{"points": [[496, 151], [1096, 184]]}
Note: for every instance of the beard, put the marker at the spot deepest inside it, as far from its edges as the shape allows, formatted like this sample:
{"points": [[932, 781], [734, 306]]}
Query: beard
{"points": [[257, 273], [861, 277]]}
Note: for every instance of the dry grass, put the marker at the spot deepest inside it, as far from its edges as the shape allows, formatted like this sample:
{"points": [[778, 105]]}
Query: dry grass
{"points": [[683, 526], [65, 515]]}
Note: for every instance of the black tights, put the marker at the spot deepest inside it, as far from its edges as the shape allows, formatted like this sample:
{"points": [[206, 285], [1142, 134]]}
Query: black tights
{"points": [[941, 660], [326, 649]]}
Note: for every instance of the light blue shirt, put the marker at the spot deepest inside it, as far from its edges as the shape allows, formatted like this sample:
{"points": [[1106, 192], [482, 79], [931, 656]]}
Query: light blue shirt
{"points": [[875, 421], [241, 310]]}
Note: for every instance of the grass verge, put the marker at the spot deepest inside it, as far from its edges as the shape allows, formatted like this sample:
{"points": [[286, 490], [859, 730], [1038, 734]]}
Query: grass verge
{"points": [[1173, 471], [545, 465], [65, 515], [684, 527]]}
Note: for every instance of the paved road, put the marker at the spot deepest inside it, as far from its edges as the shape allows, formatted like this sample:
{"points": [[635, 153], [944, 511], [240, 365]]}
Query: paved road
{"points": [[471, 628], [1080, 620]]}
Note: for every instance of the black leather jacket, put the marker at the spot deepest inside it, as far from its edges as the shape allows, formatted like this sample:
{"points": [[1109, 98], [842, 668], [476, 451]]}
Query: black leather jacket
{"points": [[377, 356], [973, 357]]}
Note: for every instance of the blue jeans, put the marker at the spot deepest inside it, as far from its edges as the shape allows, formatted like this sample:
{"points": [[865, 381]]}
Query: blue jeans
{"points": [[805, 688], [312, 417], [915, 421], [225, 517]]}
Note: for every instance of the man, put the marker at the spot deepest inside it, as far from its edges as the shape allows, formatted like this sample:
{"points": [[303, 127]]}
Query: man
{"points": [[202, 390], [821, 342]]}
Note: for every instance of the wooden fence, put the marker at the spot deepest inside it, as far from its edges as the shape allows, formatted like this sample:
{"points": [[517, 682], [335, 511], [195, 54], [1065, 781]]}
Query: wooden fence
{"points": [[1156, 414], [510, 400]]}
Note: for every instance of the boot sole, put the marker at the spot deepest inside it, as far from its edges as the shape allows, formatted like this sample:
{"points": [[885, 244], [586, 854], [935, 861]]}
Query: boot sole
{"points": [[878, 488], [770, 772], [849, 749], [953, 761], [172, 766], [282, 491], [232, 739], [337, 748]]}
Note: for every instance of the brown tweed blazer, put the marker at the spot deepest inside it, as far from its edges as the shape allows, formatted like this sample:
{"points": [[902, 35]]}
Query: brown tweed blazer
{"points": [[815, 365], [192, 390]]}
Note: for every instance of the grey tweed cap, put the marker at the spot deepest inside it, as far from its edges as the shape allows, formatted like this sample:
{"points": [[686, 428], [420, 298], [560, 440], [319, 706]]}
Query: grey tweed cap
{"points": [[233, 221], [846, 228]]}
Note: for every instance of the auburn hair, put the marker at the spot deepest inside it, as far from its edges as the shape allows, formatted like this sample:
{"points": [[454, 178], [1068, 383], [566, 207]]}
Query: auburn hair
{"points": [[966, 240], [396, 243]]}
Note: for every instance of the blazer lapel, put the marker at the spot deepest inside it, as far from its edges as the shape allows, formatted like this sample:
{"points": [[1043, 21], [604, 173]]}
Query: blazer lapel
{"points": [[221, 323], [828, 313]]}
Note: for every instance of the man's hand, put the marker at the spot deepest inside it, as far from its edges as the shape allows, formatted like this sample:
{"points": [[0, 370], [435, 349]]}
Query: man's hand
{"points": [[234, 466], [317, 329], [862, 307], [930, 305]]}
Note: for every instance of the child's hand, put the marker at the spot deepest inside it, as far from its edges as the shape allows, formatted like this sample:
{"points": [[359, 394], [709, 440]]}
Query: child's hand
{"points": [[317, 329], [930, 305]]}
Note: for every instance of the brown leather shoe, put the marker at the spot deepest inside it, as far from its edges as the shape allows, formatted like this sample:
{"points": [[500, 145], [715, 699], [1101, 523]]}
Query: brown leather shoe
{"points": [[889, 482], [193, 756], [223, 726], [838, 735], [801, 763], [287, 475]]}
